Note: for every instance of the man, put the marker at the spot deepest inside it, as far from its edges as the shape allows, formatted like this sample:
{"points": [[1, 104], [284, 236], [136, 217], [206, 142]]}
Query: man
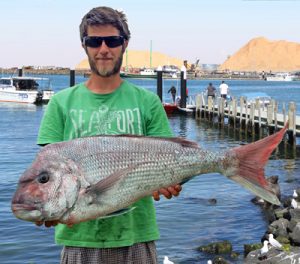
{"points": [[211, 90], [224, 90], [173, 93], [106, 104]]}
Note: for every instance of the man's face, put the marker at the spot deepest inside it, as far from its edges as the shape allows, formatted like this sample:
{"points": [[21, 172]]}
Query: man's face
{"points": [[105, 61]]}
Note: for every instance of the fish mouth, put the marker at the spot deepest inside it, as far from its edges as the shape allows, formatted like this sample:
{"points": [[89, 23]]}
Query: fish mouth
{"points": [[23, 207], [27, 212]]}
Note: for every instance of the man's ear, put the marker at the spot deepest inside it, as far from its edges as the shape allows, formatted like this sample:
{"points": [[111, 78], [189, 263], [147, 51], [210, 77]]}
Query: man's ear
{"points": [[125, 45], [84, 47]]}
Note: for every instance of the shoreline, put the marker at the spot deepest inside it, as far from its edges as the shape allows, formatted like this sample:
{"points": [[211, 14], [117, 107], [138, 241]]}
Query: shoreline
{"points": [[190, 76]]}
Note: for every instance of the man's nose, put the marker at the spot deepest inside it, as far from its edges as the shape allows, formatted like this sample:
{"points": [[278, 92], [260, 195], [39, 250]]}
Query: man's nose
{"points": [[103, 48]]}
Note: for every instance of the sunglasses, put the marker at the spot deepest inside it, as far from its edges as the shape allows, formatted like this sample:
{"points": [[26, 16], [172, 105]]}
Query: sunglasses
{"points": [[96, 42]]}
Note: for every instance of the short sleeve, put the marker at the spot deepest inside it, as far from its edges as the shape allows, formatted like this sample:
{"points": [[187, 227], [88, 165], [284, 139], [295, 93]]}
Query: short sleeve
{"points": [[52, 125]]}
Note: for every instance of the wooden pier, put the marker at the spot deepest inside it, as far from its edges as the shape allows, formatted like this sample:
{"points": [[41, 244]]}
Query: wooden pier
{"points": [[249, 116]]}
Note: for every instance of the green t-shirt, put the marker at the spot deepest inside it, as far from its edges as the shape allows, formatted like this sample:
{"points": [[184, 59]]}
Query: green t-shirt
{"points": [[77, 112]]}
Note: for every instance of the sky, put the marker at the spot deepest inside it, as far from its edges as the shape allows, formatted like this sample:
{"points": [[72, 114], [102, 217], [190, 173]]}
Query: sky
{"points": [[46, 32]]}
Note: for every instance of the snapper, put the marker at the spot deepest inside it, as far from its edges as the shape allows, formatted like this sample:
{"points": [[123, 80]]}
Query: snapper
{"points": [[101, 176]]}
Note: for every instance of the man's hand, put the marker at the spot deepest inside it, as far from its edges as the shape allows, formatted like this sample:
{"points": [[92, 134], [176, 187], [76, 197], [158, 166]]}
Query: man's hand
{"points": [[167, 192], [47, 223]]}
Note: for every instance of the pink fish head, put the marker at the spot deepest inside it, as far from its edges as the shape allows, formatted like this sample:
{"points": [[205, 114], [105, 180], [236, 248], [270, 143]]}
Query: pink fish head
{"points": [[47, 189]]}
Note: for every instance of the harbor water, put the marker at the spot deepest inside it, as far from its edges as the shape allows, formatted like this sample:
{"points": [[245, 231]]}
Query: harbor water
{"points": [[185, 222]]}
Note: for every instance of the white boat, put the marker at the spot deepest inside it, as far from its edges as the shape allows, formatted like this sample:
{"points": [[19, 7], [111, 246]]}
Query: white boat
{"points": [[25, 89], [148, 72], [281, 77]]}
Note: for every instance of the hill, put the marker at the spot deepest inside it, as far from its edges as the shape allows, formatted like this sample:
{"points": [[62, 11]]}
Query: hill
{"points": [[261, 54]]}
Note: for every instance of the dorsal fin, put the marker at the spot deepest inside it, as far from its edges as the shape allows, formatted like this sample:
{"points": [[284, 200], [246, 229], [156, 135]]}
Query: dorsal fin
{"points": [[178, 140]]}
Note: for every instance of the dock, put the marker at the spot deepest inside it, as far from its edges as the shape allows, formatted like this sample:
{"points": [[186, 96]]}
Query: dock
{"points": [[249, 116]]}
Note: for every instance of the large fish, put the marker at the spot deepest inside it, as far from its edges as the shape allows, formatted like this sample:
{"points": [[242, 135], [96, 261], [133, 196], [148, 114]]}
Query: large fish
{"points": [[93, 177]]}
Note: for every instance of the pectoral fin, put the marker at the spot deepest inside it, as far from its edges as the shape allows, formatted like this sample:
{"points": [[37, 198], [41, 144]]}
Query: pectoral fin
{"points": [[108, 182]]}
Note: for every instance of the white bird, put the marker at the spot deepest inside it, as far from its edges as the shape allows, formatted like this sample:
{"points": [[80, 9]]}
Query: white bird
{"points": [[295, 194], [209, 262], [274, 242], [167, 261], [294, 204], [265, 248]]}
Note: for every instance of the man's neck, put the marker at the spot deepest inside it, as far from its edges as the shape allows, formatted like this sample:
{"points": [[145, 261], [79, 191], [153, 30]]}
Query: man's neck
{"points": [[103, 85]]}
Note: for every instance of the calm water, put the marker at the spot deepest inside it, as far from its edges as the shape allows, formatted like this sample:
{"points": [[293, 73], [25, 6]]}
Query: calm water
{"points": [[185, 222]]}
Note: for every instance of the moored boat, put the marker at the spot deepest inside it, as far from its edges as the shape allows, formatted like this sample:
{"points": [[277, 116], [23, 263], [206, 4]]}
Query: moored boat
{"points": [[281, 77], [24, 89], [170, 108], [145, 73]]}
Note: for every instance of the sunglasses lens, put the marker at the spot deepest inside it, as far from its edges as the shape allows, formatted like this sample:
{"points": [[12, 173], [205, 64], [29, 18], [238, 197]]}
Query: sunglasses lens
{"points": [[93, 42], [111, 41], [114, 41]]}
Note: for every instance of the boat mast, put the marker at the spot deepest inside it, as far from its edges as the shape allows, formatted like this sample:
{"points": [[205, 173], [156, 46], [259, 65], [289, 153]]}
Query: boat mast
{"points": [[126, 59]]}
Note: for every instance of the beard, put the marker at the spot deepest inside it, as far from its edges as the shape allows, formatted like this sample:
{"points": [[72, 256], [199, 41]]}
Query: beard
{"points": [[103, 71]]}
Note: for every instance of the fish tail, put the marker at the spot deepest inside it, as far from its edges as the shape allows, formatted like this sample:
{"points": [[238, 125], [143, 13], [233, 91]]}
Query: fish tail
{"points": [[251, 160]]}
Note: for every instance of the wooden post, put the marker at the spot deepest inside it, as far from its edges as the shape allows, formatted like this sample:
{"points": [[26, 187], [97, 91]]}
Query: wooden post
{"points": [[72, 77], [292, 122], [199, 105], [183, 87], [246, 113], [242, 104], [275, 114], [20, 72], [159, 83], [269, 114], [252, 117], [284, 113], [257, 106], [234, 111]]}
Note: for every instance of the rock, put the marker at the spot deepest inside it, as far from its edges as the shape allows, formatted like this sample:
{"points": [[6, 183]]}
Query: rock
{"points": [[295, 214], [212, 201], [280, 213], [292, 224], [279, 227], [274, 256], [251, 247], [283, 240], [223, 247], [220, 260], [295, 235], [234, 255]]}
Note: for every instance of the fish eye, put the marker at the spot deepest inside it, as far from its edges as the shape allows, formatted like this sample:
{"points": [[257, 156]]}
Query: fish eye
{"points": [[43, 177]]}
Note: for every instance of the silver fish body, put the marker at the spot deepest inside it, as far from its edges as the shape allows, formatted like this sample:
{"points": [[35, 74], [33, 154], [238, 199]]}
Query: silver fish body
{"points": [[92, 177]]}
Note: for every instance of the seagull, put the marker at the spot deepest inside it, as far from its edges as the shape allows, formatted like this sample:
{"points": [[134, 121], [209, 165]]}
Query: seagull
{"points": [[274, 242], [294, 204], [295, 194], [264, 250], [167, 261]]}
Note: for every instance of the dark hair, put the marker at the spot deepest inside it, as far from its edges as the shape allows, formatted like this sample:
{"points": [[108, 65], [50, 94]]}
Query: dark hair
{"points": [[105, 16]]}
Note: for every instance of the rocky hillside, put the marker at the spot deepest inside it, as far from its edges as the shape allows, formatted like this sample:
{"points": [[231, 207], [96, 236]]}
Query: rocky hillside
{"points": [[261, 54]]}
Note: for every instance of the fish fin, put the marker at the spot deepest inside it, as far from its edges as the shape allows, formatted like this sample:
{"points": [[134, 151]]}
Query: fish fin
{"points": [[251, 161], [118, 213], [179, 140], [106, 183]]}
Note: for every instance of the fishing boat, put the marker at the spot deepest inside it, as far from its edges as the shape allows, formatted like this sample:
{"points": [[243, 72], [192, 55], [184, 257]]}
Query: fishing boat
{"points": [[24, 89], [145, 73], [170, 108]]}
